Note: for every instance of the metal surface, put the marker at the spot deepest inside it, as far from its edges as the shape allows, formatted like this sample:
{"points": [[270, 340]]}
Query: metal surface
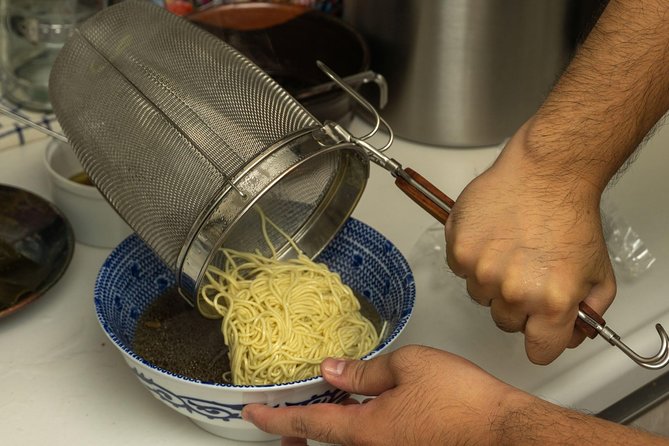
{"points": [[462, 72], [284, 40], [639, 402], [175, 128]]}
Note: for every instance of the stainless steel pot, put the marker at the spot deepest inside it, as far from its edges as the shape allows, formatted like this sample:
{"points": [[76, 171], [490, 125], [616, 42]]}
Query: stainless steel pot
{"points": [[463, 72]]}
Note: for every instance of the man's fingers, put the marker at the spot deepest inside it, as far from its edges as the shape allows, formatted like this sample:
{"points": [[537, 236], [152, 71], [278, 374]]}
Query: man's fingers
{"points": [[599, 299], [482, 294], [328, 423], [508, 317], [371, 377], [293, 441], [546, 339], [576, 338], [325, 422], [348, 401]]}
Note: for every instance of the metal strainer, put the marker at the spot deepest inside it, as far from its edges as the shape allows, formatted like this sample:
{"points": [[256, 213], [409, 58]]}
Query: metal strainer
{"points": [[183, 136]]}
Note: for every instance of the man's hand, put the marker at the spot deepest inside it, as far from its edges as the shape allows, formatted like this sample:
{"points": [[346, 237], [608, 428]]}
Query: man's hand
{"points": [[429, 397], [531, 248], [425, 396]]}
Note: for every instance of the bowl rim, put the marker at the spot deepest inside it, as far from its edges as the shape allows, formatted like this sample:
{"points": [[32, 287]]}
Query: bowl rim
{"points": [[408, 282]]}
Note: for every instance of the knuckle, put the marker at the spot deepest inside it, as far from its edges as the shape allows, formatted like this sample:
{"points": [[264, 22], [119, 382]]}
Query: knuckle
{"points": [[459, 255], [455, 267], [514, 292], [558, 305], [560, 300], [486, 272], [356, 372], [508, 320]]}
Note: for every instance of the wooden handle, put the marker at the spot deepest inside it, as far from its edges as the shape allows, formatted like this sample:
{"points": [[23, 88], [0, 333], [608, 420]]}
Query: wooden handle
{"points": [[583, 326], [420, 198]]}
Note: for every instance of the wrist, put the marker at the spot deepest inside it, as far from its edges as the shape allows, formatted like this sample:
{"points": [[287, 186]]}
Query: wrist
{"points": [[547, 169], [568, 154], [530, 420], [512, 418]]}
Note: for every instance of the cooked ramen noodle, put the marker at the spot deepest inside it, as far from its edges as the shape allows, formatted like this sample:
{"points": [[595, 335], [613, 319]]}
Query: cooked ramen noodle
{"points": [[281, 318]]}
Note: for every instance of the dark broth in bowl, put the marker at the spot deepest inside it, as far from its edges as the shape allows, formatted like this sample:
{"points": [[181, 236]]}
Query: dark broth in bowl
{"points": [[174, 336]]}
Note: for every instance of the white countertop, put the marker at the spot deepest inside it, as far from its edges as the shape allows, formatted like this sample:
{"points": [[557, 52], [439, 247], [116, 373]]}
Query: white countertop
{"points": [[63, 383]]}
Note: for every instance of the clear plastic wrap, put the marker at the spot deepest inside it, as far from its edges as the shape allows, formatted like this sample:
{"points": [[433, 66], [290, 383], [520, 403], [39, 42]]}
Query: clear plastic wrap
{"points": [[629, 254]]}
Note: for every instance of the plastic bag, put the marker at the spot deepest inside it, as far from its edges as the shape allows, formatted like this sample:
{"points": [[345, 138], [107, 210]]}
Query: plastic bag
{"points": [[629, 254]]}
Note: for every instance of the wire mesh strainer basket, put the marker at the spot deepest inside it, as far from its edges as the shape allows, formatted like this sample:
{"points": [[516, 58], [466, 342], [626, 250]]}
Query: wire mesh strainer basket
{"points": [[184, 136]]}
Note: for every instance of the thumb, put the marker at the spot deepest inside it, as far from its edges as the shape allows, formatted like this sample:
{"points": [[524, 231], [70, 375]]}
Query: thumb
{"points": [[371, 377]]}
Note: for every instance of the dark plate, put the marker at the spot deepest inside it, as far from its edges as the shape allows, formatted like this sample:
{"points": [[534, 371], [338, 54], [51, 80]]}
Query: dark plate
{"points": [[36, 246]]}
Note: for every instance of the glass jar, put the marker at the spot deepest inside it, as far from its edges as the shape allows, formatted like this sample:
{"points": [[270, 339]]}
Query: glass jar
{"points": [[33, 31]]}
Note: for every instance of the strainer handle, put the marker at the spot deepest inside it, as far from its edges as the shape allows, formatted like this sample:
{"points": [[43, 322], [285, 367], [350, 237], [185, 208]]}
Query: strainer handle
{"points": [[415, 185]]}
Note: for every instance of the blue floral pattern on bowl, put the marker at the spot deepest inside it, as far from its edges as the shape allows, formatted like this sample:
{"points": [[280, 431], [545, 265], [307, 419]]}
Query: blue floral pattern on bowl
{"points": [[220, 411]]}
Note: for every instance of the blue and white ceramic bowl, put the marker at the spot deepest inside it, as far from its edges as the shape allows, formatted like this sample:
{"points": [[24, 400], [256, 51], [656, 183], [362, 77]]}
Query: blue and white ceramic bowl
{"points": [[132, 276]]}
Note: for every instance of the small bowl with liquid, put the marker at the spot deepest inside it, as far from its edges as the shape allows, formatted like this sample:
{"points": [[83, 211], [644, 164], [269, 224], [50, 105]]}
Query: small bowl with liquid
{"points": [[133, 280], [93, 220]]}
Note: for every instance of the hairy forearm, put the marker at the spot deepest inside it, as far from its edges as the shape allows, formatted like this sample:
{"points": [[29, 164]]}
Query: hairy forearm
{"points": [[537, 422], [610, 96]]}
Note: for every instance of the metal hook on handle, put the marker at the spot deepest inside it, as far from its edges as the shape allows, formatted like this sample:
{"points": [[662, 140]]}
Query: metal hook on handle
{"points": [[378, 120], [420, 190], [593, 324]]}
